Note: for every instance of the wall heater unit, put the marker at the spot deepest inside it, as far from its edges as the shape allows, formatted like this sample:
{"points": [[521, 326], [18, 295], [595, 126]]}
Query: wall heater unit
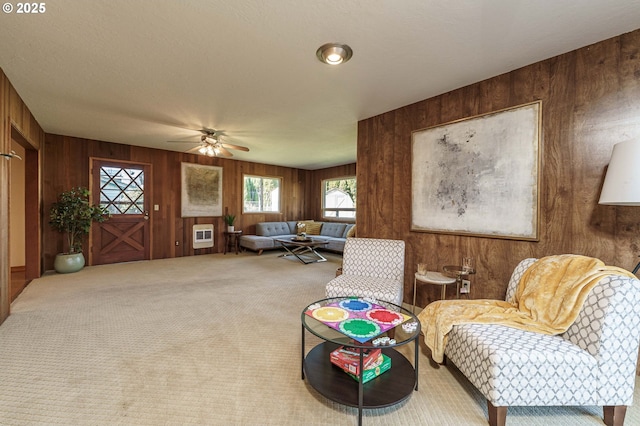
{"points": [[202, 236]]}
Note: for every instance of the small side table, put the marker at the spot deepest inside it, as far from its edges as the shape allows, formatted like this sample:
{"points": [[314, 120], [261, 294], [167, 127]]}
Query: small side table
{"points": [[435, 278], [231, 240], [458, 272]]}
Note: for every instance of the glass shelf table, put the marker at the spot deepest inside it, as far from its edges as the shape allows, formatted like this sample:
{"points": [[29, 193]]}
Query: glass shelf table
{"points": [[458, 272], [389, 388]]}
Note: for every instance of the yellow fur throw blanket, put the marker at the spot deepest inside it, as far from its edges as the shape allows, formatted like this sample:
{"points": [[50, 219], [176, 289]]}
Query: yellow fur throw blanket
{"points": [[549, 298]]}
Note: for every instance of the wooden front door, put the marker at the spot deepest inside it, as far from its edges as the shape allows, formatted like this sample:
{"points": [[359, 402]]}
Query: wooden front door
{"points": [[123, 188]]}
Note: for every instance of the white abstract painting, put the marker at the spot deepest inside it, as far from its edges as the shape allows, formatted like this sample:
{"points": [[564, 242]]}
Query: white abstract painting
{"points": [[479, 175]]}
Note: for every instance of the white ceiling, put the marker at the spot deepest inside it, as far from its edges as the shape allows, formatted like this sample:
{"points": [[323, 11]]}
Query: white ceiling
{"points": [[145, 72]]}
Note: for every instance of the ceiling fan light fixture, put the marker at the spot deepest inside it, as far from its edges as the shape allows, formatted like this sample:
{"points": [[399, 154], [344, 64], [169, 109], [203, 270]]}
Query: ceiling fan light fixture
{"points": [[334, 53], [213, 145]]}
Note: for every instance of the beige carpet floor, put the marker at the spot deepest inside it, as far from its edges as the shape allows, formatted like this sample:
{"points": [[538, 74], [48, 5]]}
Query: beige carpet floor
{"points": [[201, 340]]}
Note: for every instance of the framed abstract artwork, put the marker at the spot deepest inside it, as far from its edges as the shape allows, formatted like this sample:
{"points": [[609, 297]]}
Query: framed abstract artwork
{"points": [[479, 176], [201, 190]]}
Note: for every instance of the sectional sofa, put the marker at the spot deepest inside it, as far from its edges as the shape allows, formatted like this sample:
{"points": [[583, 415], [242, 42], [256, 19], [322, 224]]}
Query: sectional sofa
{"points": [[267, 232]]}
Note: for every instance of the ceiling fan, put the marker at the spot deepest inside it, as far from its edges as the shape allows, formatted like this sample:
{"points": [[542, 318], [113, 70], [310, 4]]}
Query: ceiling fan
{"points": [[212, 145]]}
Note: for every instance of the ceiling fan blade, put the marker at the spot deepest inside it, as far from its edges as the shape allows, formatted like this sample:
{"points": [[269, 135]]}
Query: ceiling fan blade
{"points": [[194, 149], [232, 146], [224, 151], [208, 131], [183, 141]]}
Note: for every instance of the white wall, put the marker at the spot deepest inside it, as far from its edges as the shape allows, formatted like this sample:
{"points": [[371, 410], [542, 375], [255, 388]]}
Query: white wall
{"points": [[16, 208]]}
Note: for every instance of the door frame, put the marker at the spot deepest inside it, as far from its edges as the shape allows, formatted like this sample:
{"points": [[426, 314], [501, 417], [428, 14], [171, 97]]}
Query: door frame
{"points": [[5, 274], [33, 221], [148, 196], [32, 200]]}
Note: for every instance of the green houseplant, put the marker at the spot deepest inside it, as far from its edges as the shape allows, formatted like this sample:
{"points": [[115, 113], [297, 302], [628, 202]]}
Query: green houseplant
{"points": [[73, 215], [229, 219]]}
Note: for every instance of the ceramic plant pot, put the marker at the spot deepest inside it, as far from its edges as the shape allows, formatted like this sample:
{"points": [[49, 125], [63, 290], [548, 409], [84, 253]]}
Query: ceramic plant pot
{"points": [[67, 263]]}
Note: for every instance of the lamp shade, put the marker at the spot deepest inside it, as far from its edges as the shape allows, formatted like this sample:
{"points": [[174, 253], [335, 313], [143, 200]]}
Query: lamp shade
{"points": [[622, 182]]}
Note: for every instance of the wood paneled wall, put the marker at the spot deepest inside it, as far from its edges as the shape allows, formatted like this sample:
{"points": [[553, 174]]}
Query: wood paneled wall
{"points": [[23, 122], [67, 165], [17, 122], [590, 101]]}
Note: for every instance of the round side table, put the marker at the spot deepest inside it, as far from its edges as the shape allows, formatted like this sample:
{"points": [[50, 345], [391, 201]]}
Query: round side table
{"points": [[231, 241], [435, 278]]}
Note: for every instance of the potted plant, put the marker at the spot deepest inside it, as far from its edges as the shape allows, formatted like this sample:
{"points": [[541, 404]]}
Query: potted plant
{"points": [[229, 219], [73, 215]]}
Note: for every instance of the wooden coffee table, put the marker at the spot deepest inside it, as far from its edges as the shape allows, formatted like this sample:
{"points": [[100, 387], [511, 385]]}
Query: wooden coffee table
{"points": [[303, 250]]}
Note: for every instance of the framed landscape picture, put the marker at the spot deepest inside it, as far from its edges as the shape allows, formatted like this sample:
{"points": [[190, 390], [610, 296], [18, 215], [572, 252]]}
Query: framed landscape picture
{"points": [[201, 190], [479, 176]]}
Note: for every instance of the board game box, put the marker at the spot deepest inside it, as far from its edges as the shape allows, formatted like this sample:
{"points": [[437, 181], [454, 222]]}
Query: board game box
{"points": [[357, 318], [348, 358], [375, 370]]}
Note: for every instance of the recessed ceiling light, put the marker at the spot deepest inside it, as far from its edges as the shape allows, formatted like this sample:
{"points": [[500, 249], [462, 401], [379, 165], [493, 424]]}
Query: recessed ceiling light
{"points": [[334, 53]]}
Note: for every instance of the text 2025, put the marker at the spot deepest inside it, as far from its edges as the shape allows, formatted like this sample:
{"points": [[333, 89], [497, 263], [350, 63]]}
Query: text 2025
{"points": [[31, 7]]}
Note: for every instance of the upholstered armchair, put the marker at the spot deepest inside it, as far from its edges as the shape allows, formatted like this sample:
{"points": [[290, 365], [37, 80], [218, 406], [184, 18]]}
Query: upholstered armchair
{"points": [[371, 268], [592, 363]]}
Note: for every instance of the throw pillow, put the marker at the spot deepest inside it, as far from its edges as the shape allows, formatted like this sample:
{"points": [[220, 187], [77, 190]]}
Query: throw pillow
{"points": [[314, 228], [351, 232]]}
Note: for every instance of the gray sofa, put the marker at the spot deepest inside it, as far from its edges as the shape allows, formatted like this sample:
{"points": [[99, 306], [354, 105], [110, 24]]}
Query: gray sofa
{"points": [[267, 232]]}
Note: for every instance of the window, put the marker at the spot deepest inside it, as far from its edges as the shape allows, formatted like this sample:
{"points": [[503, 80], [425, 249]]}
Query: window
{"points": [[261, 194], [339, 198], [122, 190]]}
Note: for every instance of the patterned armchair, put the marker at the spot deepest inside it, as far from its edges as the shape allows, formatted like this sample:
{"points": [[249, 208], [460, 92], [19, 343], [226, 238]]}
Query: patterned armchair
{"points": [[371, 268], [592, 363]]}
